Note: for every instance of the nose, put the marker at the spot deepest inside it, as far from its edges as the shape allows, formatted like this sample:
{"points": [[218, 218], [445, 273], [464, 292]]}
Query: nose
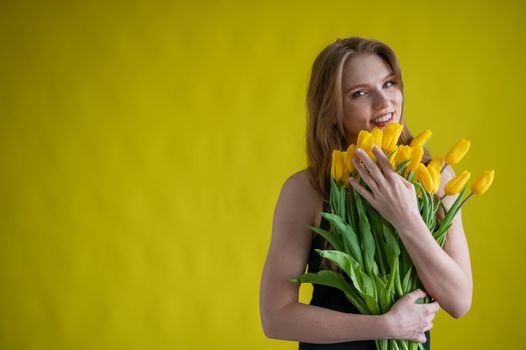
{"points": [[380, 100]]}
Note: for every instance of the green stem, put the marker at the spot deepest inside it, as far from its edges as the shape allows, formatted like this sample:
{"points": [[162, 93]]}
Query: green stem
{"points": [[465, 200], [411, 176]]}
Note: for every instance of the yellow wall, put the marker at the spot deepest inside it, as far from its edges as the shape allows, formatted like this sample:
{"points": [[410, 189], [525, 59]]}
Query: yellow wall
{"points": [[144, 143]]}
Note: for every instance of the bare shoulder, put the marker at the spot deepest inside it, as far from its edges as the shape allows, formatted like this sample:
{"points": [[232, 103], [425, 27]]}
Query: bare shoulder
{"points": [[300, 182], [299, 189]]}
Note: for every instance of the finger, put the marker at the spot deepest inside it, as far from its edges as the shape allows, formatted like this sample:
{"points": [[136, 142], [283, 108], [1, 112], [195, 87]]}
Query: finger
{"points": [[422, 338], [361, 190], [383, 161], [416, 294], [364, 174], [371, 166], [428, 326], [435, 306], [431, 308], [431, 317]]}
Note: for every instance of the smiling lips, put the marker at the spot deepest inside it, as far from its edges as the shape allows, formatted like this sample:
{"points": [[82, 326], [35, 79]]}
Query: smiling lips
{"points": [[384, 120]]}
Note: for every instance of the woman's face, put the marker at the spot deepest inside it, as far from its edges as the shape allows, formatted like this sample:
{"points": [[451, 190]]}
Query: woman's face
{"points": [[370, 95]]}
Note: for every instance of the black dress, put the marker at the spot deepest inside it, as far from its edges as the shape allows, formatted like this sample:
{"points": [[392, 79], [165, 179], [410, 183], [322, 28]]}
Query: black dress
{"points": [[334, 299]]}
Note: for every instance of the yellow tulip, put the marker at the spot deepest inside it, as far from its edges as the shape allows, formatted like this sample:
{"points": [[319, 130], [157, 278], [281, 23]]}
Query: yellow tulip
{"points": [[365, 142], [337, 165], [456, 184], [377, 136], [334, 159], [348, 158], [425, 178], [457, 152], [436, 163], [416, 157], [391, 135], [340, 166], [435, 175], [403, 154], [421, 138], [483, 182]]}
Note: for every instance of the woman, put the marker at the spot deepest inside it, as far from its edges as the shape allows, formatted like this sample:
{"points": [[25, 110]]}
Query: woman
{"points": [[356, 84]]}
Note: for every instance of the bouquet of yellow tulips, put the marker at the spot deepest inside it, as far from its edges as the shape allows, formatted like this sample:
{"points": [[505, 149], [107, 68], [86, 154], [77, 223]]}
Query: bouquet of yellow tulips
{"points": [[376, 269]]}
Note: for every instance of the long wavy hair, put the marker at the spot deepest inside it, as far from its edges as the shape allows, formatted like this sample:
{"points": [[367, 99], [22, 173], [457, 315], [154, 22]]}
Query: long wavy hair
{"points": [[325, 131]]}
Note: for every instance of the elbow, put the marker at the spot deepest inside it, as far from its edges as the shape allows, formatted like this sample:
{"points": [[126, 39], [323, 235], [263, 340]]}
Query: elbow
{"points": [[267, 329], [267, 324], [271, 322], [463, 304], [461, 310]]}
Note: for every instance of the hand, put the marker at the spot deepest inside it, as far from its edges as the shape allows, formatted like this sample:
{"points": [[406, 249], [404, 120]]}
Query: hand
{"points": [[409, 321], [393, 197]]}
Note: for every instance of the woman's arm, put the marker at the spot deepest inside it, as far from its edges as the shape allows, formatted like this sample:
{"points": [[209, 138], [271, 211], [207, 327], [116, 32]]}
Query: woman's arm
{"points": [[282, 316], [445, 273]]}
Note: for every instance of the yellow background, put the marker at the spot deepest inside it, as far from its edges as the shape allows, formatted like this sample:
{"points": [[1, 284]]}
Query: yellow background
{"points": [[144, 144]]}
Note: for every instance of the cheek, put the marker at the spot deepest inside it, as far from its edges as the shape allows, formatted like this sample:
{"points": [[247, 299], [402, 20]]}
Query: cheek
{"points": [[397, 100], [354, 108], [398, 97]]}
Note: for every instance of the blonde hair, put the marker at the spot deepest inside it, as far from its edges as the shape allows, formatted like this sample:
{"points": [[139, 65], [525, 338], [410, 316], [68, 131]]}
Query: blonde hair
{"points": [[324, 102]]}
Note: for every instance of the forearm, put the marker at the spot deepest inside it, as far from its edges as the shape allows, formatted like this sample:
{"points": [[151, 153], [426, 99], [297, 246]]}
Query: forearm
{"points": [[314, 324], [440, 274]]}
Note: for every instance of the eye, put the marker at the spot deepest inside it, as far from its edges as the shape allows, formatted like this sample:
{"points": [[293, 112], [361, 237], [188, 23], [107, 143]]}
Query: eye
{"points": [[357, 93]]}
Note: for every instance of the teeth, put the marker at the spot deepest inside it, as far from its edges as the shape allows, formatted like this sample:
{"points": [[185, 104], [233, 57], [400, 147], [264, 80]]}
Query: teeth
{"points": [[382, 119]]}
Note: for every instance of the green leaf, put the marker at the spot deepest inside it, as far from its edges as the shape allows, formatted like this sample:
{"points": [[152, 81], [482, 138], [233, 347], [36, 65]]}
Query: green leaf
{"points": [[376, 230], [365, 289], [335, 196], [392, 249], [369, 285], [393, 275], [384, 296], [351, 211], [347, 264], [333, 239], [406, 282], [350, 238], [372, 304], [333, 279], [324, 277], [368, 245], [405, 260]]}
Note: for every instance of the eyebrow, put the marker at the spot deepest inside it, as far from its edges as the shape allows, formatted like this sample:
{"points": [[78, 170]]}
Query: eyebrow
{"points": [[364, 85]]}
